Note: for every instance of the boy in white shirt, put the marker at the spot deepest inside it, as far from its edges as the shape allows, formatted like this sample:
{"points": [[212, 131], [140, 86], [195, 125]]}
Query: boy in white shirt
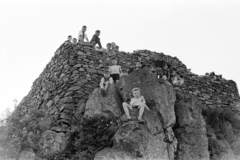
{"points": [[115, 71], [82, 34], [138, 102]]}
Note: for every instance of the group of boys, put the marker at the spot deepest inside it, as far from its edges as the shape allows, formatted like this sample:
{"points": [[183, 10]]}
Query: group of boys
{"points": [[169, 76], [112, 75], [111, 48]]}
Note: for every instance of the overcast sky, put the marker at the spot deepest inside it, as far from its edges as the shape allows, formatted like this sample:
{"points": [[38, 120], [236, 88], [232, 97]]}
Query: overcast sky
{"points": [[204, 34]]}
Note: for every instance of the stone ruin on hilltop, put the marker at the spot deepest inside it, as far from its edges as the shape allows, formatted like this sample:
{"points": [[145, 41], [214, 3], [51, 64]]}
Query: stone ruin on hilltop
{"points": [[198, 120]]}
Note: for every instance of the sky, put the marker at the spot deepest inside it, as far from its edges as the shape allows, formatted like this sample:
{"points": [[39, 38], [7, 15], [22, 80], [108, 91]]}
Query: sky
{"points": [[203, 34]]}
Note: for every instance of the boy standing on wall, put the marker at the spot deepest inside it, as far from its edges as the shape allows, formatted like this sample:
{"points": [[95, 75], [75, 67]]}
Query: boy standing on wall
{"points": [[115, 71], [82, 34]]}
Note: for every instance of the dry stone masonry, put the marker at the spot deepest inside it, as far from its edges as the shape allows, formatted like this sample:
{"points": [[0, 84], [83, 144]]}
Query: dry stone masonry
{"points": [[68, 91]]}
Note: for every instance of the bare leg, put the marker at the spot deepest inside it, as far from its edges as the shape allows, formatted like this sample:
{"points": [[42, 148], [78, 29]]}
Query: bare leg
{"points": [[106, 85], [110, 80], [141, 111], [101, 85], [126, 110]]}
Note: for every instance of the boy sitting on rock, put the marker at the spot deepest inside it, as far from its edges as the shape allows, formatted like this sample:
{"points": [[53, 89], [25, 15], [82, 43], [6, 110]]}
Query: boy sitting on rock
{"points": [[105, 82], [115, 71], [137, 102]]}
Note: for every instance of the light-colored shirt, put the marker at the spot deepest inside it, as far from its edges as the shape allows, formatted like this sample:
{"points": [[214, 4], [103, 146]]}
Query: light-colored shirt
{"points": [[116, 69], [80, 36], [137, 101]]}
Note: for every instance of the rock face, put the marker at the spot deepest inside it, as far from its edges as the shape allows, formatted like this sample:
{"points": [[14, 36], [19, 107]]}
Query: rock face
{"points": [[159, 97], [67, 92], [190, 129], [146, 141], [109, 105], [52, 142]]}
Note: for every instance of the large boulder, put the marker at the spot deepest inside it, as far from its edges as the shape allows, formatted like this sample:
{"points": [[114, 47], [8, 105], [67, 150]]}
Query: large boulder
{"points": [[52, 142], [159, 97], [108, 105], [134, 140], [154, 139], [190, 129]]}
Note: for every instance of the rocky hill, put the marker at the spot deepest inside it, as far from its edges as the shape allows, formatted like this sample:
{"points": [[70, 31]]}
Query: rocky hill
{"points": [[65, 116]]}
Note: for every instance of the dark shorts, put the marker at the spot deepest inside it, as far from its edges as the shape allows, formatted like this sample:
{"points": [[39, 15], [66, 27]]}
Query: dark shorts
{"points": [[135, 107], [115, 77]]}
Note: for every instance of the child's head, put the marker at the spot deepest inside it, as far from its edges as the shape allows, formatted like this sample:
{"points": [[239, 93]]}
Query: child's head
{"points": [[138, 65], [109, 46], [117, 48], [164, 77], [106, 74], [165, 66], [113, 45], [74, 40], [70, 38], [97, 32], [114, 61], [84, 28], [136, 92]]}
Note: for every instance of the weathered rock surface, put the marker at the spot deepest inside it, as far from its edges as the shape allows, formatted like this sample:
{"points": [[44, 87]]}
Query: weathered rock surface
{"points": [[190, 129], [52, 142], [159, 97], [109, 105], [146, 141], [134, 138], [63, 88]]}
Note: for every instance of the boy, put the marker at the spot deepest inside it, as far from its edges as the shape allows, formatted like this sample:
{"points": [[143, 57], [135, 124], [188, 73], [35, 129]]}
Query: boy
{"points": [[74, 40], [113, 44], [109, 50], [115, 71], [105, 82], [173, 77], [69, 39], [82, 34], [109, 47], [159, 72], [166, 71], [96, 40], [116, 49], [139, 65], [137, 102]]}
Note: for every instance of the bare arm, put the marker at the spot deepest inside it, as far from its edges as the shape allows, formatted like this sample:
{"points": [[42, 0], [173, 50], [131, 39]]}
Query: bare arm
{"points": [[120, 69], [131, 102], [110, 70], [143, 99]]}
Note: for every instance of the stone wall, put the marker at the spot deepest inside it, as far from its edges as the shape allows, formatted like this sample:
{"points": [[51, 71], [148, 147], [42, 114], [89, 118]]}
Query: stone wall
{"points": [[74, 72]]}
